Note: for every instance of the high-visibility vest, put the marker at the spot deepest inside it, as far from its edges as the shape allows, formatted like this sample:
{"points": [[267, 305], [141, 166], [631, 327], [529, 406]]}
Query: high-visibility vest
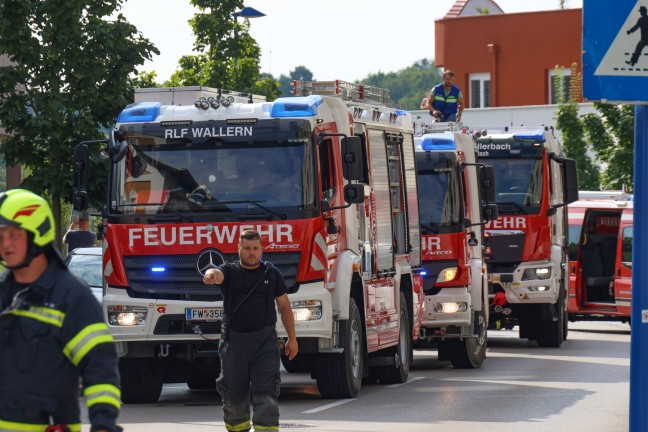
{"points": [[446, 104]]}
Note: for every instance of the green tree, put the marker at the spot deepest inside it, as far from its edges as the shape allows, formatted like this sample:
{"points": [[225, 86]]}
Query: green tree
{"points": [[571, 127], [611, 136], [228, 57], [68, 81], [407, 86]]}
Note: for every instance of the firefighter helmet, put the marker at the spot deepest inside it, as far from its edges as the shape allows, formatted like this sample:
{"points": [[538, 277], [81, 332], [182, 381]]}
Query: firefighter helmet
{"points": [[24, 209]]}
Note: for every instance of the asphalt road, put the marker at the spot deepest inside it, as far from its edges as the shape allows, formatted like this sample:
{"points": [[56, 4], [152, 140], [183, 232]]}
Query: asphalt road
{"points": [[582, 386]]}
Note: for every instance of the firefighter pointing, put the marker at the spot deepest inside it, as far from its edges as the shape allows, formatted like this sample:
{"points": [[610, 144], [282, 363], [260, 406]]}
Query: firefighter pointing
{"points": [[248, 348], [51, 330]]}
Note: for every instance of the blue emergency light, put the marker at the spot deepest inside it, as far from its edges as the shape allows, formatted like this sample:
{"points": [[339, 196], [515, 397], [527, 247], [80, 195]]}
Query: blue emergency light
{"points": [[158, 269], [438, 141], [139, 112], [537, 135], [303, 106]]}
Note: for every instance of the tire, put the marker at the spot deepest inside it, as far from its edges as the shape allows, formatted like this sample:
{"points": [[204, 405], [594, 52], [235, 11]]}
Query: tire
{"points": [[141, 380], [300, 364], [339, 376], [398, 373], [550, 334], [201, 378], [470, 352]]}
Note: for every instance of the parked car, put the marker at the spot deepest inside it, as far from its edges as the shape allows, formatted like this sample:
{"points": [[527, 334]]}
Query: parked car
{"points": [[86, 263]]}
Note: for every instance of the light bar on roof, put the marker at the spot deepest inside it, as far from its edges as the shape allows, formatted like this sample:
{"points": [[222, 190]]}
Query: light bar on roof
{"points": [[537, 135], [139, 112], [303, 106], [438, 141]]}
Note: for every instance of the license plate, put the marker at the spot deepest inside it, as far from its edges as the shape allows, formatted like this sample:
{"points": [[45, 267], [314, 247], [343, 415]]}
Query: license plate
{"points": [[204, 314]]}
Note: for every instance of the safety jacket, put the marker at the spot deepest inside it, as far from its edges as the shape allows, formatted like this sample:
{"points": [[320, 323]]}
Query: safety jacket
{"points": [[448, 105], [51, 334]]}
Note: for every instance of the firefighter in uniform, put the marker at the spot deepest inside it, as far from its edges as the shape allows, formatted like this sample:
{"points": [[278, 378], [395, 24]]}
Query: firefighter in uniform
{"points": [[447, 102], [248, 348], [51, 330]]}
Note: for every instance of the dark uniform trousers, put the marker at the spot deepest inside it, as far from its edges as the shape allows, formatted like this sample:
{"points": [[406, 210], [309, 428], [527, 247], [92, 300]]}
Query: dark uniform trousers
{"points": [[250, 372]]}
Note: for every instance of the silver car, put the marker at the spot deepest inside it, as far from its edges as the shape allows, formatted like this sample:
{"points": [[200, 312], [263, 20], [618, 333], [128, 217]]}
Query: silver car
{"points": [[86, 263]]}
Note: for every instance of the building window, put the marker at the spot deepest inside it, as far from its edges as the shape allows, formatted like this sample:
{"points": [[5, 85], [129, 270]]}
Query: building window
{"points": [[479, 90], [559, 82]]}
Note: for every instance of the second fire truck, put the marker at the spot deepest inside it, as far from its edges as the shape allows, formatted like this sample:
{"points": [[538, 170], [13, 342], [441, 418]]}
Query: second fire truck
{"points": [[526, 247], [454, 193]]}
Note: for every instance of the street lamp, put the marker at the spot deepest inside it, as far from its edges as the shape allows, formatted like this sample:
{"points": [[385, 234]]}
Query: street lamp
{"points": [[246, 12]]}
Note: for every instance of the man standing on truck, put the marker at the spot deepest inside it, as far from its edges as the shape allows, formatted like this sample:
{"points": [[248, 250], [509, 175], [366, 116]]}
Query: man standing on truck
{"points": [[446, 101], [248, 348], [51, 330]]}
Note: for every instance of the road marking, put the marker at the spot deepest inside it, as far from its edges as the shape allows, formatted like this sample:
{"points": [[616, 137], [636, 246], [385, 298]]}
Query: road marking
{"points": [[411, 380], [325, 407]]}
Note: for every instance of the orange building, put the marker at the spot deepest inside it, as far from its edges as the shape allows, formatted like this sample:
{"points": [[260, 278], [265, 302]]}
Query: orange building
{"points": [[502, 59]]}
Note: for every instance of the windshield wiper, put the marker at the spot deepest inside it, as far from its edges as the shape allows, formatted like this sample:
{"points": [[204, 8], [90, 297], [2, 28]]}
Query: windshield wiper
{"points": [[431, 228], [170, 215], [281, 216], [511, 203]]}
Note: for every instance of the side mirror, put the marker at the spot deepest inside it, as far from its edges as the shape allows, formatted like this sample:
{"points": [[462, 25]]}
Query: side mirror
{"points": [[490, 212], [354, 193], [570, 181], [81, 160], [352, 158], [117, 147], [487, 182], [81, 201]]}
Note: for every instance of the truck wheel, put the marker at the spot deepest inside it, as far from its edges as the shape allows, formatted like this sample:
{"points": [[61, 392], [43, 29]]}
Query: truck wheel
{"points": [[141, 380], [398, 373], [470, 352], [340, 375], [300, 364], [550, 334], [200, 378]]}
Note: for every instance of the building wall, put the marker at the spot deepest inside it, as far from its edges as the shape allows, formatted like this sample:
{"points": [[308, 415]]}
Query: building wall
{"points": [[518, 50]]}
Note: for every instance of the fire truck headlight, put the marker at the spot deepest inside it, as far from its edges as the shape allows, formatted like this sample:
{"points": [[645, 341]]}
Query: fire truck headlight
{"points": [[126, 315], [538, 288], [447, 275], [307, 310], [537, 273], [450, 307]]}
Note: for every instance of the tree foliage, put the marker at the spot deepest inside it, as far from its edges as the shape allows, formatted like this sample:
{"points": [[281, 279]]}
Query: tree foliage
{"points": [[571, 127], [608, 134], [68, 81], [228, 57], [611, 136], [408, 86]]}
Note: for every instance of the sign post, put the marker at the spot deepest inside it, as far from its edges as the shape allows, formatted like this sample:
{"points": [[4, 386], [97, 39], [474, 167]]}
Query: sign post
{"points": [[615, 69]]}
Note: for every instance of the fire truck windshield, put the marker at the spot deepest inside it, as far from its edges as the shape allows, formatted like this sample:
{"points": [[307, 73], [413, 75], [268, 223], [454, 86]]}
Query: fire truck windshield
{"points": [[160, 176], [519, 184], [439, 194]]}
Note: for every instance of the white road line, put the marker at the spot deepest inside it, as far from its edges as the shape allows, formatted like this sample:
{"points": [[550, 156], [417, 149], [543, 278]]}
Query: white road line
{"points": [[325, 407], [411, 380]]}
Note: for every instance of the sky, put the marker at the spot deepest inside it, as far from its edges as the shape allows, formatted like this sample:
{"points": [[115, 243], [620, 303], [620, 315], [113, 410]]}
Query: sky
{"points": [[334, 39]]}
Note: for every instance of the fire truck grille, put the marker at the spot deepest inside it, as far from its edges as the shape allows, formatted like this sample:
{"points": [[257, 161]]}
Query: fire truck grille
{"points": [[177, 276], [505, 248]]}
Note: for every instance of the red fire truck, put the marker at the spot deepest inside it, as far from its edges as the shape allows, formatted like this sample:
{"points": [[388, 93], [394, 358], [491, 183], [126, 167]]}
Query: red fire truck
{"points": [[600, 256], [326, 181], [526, 247], [453, 198]]}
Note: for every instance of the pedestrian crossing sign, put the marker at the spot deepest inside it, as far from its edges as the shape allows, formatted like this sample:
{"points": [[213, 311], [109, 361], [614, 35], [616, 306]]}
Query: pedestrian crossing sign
{"points": [[615, 50]]}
